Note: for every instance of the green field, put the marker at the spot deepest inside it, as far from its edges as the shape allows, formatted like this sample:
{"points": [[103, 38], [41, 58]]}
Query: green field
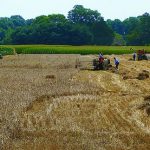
{"points": [[67, 49]]}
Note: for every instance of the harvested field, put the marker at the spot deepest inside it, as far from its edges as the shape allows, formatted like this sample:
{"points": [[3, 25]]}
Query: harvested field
{"points": [[47, 103]]}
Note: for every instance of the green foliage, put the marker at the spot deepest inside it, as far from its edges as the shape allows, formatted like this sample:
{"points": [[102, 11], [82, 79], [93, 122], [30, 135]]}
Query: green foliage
{"points": [[8, 26], [100, 33], [80, 15], [17, 21], [117, 26], [80, 35], [130, 24], [6, 50], [83, 26], [135, 30], [144, 29], [118, 40]]}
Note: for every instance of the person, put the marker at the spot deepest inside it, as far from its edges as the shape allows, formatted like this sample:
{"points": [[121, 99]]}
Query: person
{"points": [[101, 58], [134, 56], [116, 62]]}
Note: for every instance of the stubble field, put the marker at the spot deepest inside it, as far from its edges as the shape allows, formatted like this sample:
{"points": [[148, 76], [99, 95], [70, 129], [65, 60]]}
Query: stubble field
{"points": [[47, 103]]}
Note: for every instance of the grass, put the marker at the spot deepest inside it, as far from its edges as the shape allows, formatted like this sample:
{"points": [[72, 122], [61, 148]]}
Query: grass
{"points": [[68, 49]]}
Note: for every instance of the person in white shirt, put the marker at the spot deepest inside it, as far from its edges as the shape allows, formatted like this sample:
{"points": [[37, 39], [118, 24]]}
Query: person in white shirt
{"points": [[116, 62]]}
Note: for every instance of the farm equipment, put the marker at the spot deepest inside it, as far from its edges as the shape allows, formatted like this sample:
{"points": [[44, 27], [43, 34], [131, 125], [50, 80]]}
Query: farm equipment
{"points": [[101, 66], [93, 64], [141, 55]]}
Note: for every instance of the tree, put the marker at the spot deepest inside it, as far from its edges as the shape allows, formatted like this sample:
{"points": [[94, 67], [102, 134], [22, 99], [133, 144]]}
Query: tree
{"points": [[117, 26], [5, 30], [2, 35], [79, 15], [118, 40], [130, 24], [79, 35], [144, 29], [139, 35], [17, 21], [22, 35], [5, 23], [101, 33]]}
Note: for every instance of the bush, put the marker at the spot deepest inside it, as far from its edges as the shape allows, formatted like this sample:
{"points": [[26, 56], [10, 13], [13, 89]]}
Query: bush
{"points": [[6, 51]]}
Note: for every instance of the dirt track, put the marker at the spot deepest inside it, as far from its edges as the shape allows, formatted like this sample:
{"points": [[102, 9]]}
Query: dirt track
{"points": [[48, 104]]}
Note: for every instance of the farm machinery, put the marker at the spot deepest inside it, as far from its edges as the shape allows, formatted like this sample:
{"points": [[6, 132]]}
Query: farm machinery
{"points": [[93, 64], [101, 65], [141, 55]]}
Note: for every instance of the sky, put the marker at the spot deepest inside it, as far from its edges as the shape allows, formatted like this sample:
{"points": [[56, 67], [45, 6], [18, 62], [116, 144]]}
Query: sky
{"points": [[109, 9]]}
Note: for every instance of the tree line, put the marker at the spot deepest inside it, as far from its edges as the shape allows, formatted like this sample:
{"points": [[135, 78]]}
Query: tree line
{"points": [[82, 26]]}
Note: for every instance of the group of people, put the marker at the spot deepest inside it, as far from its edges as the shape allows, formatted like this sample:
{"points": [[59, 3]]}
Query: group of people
{"points": [[116, 61]]}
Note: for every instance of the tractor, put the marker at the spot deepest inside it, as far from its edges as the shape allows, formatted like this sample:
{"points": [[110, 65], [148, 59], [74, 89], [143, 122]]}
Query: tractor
{"points": [[141, 55], [101, 66], [93, 64]]}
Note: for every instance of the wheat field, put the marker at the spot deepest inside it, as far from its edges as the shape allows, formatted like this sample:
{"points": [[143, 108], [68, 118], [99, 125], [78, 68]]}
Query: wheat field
{"points": [[48, 104]]}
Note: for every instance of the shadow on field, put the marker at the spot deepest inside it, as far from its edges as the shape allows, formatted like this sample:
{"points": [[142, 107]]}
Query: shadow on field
{"points": [[145, 105]]}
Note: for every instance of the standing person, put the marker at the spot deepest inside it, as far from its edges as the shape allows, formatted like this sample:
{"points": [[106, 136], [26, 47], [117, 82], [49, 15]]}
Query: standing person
{"points": [[134, 56], [116, 62], [101, 58]]}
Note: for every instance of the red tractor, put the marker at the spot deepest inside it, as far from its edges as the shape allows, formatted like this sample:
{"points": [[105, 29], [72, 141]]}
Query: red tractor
{"points": [[141, 55]]}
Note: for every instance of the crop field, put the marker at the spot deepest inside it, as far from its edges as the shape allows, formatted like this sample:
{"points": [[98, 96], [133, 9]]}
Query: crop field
{"points": [[67, 49], [47, 103]]}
